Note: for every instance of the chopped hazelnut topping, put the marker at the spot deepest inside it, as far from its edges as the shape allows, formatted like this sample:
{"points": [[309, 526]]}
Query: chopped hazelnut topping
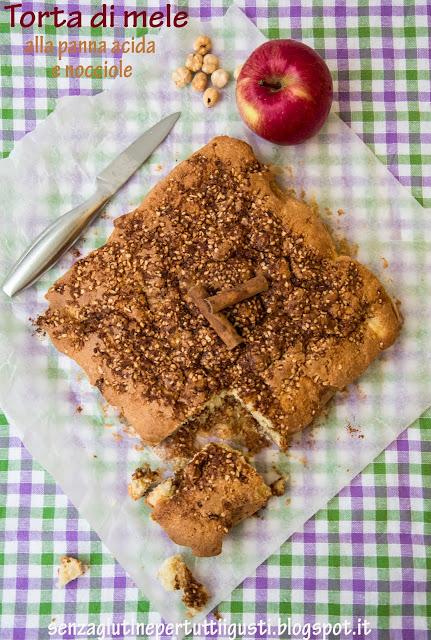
{"points": [[129, 300]]}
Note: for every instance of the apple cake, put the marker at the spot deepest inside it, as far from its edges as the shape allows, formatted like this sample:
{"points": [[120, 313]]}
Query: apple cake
{"points": [[134, 315]]}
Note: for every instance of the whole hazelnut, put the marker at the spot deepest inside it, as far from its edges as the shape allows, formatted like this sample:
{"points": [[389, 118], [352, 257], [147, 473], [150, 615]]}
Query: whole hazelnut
{"points": [[181, 76], [219, 78], [202, 45], [200, 81], [237, 71], [210, 97], [210, 63], [194, 61]]}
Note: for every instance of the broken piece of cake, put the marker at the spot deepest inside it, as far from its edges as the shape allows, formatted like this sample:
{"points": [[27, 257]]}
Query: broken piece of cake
{"points": [[143, 478], [200, 504], [70, 568], [132, 313], [175, 575]]}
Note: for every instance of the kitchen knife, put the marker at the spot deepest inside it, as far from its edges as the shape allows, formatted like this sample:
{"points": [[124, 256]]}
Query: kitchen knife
{"points": [[52, 243]]}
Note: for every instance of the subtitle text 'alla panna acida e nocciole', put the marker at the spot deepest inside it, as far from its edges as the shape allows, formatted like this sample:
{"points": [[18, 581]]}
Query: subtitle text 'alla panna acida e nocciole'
{"points": [[105, 16]]}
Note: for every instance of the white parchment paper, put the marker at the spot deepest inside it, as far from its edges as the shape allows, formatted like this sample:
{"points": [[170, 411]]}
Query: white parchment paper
{"points": [[41, 391]]}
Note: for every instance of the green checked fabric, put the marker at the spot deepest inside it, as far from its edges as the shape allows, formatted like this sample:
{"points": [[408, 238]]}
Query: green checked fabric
{"points": [[363, 556], [366, 554]]}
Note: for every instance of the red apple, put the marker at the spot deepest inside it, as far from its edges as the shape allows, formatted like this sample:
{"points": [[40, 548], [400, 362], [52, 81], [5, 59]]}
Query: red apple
{"points": [[284, 91]]}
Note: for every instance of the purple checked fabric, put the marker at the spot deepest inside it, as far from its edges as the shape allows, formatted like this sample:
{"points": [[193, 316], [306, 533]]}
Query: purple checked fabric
{"points": [[366, 556]]}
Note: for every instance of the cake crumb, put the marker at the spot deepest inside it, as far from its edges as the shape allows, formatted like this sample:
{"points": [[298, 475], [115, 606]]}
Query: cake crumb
{"points": [[355, 432], [70, 568], [217, 615], [347, 248], [174, 575], [142, 480], [278, 487]]}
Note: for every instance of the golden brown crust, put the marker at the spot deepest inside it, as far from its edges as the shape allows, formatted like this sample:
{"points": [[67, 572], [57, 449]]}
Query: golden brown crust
{"points": [[123, 313], [214, 492]]}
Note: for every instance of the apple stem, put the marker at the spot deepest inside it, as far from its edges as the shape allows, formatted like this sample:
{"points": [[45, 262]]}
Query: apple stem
{"points": [[273, 85]]}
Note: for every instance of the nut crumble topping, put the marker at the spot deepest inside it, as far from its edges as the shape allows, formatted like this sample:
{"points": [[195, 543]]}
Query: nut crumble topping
{"points": [[147, 329], [124, 312]]}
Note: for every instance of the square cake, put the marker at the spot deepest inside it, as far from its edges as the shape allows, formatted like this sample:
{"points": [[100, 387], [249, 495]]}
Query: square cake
{"points": [[128, 315]]}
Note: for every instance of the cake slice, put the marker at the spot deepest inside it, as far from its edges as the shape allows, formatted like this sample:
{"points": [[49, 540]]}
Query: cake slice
{"points": [[226, 420], [215, 491]]}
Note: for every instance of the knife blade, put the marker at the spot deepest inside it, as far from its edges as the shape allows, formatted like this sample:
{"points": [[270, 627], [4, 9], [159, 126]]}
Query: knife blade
{"points": [[59, 236]]}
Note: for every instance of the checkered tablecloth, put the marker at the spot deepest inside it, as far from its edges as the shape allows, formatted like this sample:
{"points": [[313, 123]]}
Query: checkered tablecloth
{"points": [[365, 555]]}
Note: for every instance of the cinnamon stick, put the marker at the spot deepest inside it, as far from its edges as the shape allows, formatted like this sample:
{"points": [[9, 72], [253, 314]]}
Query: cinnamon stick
{"points": [[221, 325], [230, 297]]}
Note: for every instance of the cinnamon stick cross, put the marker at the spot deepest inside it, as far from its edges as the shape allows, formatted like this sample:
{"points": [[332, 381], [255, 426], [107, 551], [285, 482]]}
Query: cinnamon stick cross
{"points": [[221, 325], [210, 307], [230, 297]]}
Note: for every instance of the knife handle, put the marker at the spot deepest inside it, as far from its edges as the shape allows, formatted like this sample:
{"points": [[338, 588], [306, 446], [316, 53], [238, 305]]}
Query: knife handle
{"points": [[53, 242]]}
